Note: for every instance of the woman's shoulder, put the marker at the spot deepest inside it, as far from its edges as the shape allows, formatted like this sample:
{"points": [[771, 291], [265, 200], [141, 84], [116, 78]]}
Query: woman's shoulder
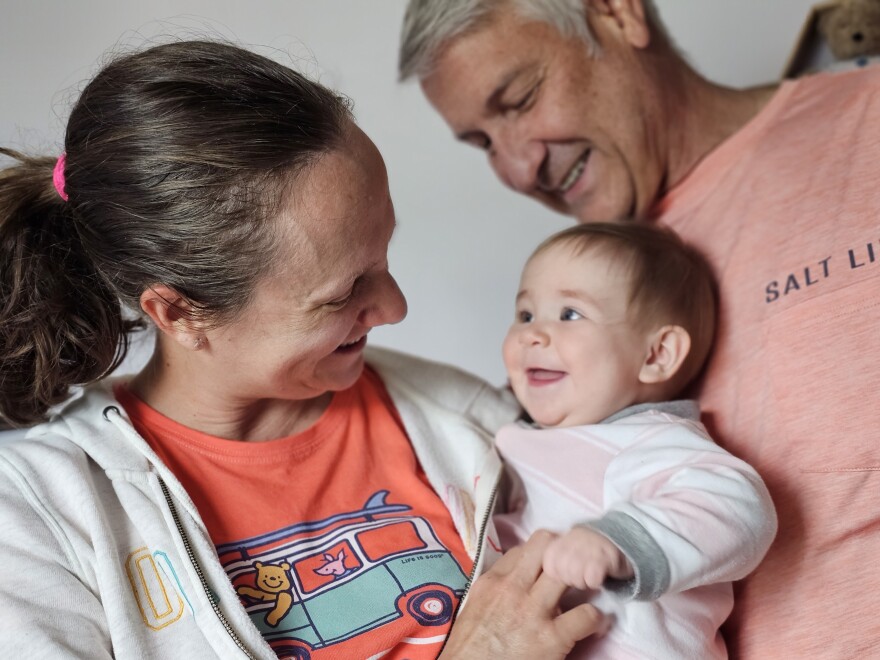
{"points": [[444, 385], [400, 365], [75, 435], [38, 467]]}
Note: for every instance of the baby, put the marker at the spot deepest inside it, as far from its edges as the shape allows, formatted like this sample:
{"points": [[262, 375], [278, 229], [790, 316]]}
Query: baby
{"points": [[654, 519]]}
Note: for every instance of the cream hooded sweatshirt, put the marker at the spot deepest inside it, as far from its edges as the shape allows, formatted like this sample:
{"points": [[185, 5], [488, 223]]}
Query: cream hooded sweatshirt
{"points": [[102, 553]]}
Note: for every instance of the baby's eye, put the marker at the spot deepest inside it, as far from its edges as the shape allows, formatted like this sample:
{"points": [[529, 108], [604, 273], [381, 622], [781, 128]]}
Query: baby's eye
{"points": [[524, 317], [568, 314]]}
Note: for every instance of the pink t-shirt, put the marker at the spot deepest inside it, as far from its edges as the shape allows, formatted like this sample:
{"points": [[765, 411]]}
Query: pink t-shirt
{"points": [[788, 213]]}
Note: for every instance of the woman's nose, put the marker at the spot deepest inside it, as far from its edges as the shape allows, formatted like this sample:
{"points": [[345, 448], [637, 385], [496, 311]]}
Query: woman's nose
{"points": [[388, 305]]}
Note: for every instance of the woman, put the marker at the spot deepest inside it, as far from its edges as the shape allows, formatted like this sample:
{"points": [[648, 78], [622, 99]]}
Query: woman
{"points": [[256, 490]]}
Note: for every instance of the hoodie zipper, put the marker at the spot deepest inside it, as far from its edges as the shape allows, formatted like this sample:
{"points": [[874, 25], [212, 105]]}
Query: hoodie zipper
{"points": [[199, 572], [473, 575]]}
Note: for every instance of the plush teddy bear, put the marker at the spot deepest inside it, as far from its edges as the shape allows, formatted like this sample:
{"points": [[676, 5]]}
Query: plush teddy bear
{"points": [[851, 28]]}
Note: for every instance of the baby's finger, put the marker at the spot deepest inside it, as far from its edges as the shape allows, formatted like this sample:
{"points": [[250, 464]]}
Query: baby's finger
{"points": [[594, 576]]}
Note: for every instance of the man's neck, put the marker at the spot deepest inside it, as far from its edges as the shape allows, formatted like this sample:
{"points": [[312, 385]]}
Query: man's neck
{"points": [[700, 116]]}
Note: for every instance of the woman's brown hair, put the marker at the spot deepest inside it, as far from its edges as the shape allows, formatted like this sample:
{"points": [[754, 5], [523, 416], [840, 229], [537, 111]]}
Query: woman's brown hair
{"points": [[178, 157]]}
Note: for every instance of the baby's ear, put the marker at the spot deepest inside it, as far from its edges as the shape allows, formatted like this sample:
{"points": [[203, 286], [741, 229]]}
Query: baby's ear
{"points": [[668, 348]]}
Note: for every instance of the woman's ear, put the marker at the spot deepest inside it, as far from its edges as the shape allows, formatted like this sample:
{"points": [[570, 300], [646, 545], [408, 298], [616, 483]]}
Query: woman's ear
{"points": [[173, 315], [629, 18], [667, 351]]}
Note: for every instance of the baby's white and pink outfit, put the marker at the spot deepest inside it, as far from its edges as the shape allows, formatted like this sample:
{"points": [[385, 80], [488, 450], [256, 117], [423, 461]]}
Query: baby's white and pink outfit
{"points": [[689, 516]]}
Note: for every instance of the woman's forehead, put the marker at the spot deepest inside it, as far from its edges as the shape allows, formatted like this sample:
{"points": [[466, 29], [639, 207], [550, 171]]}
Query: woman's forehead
{"points": [[339, 217]]}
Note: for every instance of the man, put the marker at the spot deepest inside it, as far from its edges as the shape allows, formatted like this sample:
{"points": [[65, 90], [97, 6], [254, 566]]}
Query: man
{"points": [[585, 106]]}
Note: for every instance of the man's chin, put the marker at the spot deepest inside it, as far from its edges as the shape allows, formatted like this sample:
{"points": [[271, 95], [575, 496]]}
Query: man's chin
{"points": [[608, 210], [587, 211]]}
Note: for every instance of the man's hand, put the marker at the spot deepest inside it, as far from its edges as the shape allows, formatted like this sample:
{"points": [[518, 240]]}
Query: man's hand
{"points": [[583, 558], [512, 612]]}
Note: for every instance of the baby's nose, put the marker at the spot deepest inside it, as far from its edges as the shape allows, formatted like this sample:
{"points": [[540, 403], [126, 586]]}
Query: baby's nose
{"points": [[535, 335]]}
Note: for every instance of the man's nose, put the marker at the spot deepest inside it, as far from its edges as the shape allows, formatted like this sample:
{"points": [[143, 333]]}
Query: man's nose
{"points": [[517, 160]]}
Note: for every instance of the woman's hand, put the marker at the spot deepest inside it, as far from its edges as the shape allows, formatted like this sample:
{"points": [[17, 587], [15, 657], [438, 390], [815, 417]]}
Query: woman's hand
{"points": [[513, 611]]}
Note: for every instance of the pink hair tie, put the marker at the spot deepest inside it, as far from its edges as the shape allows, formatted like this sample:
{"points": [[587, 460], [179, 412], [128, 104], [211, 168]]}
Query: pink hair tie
{"points": [[58, 176]]}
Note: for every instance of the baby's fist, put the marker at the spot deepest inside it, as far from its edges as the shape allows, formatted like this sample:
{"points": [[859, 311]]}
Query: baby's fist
{"points": [[583, 558]]}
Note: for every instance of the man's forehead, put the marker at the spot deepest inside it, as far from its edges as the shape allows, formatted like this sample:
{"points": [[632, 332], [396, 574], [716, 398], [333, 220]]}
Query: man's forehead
{"points": [[471, 69], [496, 43]]}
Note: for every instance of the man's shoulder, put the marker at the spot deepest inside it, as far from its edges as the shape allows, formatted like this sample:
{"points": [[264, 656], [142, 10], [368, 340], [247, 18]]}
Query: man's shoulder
{"points": [[862, 78], [833, 90]]}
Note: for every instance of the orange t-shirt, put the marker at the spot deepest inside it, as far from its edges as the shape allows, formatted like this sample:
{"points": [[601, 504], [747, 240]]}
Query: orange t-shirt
{"points": [[333, 538], [788, 213]]}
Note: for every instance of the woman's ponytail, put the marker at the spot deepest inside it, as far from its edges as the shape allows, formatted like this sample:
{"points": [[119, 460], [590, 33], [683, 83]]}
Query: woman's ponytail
{"points": [[60, 323]]}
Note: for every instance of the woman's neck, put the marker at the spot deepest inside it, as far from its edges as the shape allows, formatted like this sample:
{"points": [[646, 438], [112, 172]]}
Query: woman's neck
{"points": [[178, 390]]}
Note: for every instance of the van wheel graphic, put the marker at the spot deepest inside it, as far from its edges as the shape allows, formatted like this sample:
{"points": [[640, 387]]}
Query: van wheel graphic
{"points": [[292, 653], [431, 608]]}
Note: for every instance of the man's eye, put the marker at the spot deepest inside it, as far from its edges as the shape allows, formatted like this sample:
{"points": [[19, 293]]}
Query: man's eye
{"points": [[525, 100], [568, 314], [524, 317]]}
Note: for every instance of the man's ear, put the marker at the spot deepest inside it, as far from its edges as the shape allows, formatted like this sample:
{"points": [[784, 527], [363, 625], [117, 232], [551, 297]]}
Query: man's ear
{"points": [[173, 315], [627, 16], [667, 351]]}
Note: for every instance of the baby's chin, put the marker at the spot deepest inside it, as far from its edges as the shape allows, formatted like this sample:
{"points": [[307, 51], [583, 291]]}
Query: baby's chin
{"points": [[561, 420]]}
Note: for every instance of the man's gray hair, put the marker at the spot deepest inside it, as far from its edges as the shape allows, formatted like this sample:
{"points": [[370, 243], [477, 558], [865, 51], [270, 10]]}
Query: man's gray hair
{"points": [[429, 24]]}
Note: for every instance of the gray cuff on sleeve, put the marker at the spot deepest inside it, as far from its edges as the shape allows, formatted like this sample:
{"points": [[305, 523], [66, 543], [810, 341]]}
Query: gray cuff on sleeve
{"points": [[648, 560]]}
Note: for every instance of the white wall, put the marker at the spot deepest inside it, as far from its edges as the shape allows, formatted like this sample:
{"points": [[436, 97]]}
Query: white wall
{"points": [[462, 237]]}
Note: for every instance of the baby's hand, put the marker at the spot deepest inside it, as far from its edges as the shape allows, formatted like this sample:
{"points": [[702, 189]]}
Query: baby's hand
{"points": [[583, 558]]}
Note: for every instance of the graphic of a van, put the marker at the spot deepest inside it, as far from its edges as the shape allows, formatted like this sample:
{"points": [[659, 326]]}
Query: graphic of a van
{"points": [[320, 583]]}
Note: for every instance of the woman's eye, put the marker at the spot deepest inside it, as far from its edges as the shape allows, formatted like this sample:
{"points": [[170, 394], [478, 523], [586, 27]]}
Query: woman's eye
{"points": [[340, 302], [524, 317], [356, 288], [568, 314]]}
